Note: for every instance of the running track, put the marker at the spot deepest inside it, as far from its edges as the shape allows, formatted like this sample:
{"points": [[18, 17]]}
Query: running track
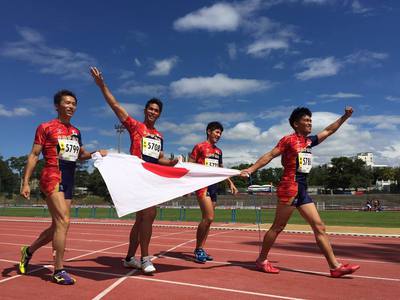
{"points": [[94, 253]]}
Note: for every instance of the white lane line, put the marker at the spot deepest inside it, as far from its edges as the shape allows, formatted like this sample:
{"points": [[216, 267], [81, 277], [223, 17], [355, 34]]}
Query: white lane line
{"points": [[176, 283], [209, 287], [123, 277], [285, 269], [119, 281], [76, 257], [47, 266], [76, 221], [350, 275], [114, 285]]}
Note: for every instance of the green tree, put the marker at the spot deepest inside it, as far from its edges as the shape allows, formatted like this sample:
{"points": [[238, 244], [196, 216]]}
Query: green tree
{"points": [[270, 175], [319, 176], [240, 182], [82, 176], [346, 173], [17, 165], [8, 180], [97, 186]]}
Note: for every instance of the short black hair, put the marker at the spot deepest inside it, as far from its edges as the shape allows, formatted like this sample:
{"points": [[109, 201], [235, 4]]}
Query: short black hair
{"points": [[297, 114], [214, 125], [58, 96], [154, 101]]}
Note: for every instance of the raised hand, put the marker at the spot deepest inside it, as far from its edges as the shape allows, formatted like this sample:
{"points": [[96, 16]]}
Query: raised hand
{"points": [[348, 111], [97, 76]]}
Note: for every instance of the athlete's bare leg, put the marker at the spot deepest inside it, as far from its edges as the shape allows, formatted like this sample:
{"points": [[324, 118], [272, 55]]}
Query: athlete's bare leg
{"points": [[60, 214], [282, 216], [207, 210], [310, 213], [47, 235], [141, 232]]}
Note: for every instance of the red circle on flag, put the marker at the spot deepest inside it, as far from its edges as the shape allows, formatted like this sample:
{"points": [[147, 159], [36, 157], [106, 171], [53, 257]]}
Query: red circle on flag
{"points": [[164, 171]]}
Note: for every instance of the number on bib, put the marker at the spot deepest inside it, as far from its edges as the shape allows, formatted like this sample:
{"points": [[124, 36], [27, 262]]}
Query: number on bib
{"points": [[305, 162], [151, 147], [69, 149], [211, 162]]}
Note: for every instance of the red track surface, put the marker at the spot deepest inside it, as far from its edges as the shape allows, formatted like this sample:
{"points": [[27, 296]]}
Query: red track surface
{"points": [[94, 253]]}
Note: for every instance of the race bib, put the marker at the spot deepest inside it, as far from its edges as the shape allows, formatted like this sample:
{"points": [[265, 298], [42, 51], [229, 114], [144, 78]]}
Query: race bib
{"points": [[151, 147], [211, 162], [305, 162], [69, 149]]}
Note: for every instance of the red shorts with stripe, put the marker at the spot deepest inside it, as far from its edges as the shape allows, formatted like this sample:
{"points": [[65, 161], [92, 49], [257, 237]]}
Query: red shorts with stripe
{"points": [[287, 191], [50, 180]]}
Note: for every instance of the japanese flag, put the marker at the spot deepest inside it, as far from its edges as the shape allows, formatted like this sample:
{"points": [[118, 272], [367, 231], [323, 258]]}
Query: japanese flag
{"points": [[135, 184]]}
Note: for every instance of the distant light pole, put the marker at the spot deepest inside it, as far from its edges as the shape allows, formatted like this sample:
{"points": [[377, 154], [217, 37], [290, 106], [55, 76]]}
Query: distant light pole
{"points": [[120, 129]]}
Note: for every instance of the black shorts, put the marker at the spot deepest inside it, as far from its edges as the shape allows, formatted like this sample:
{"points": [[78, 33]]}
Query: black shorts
{"points": [[212, 192], [67, 182], [302, 196]]}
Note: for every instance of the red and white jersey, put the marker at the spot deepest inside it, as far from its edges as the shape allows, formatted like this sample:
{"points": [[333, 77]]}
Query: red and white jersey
{"points": [[146, 143], [60, 143], [207, 154]]}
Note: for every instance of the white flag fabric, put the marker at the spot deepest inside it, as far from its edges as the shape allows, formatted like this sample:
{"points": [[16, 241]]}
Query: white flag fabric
{"points": [[135, 184]]}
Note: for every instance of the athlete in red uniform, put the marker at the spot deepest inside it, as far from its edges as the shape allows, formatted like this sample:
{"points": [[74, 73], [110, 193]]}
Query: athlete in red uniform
{"points": [[292, 190], [146, 143], [61, 146], [207, 153]]}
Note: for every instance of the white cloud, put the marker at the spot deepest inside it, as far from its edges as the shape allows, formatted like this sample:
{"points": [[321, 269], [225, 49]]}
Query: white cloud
{"points": [[218, 17], [92, 145], [132, 109], [358, 8], [15, 112], [206, 117], [267, 34], [32, 48], [279, 66], [126, 74], [391, 152], [133, 88], [382, 122], [393, 98], [163, 67], [319, 67], [190, 139], [86, 128], [183, 149], [107, 132], [275, 112], [340, 95], [137, 62], [330, 66], [218, 85], [242, 131], [182, 128], [264, 46], [39, 103], [366, 57], [232, 51]]}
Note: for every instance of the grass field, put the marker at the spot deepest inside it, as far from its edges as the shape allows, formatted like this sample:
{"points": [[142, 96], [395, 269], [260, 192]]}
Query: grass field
{"points": [[386, 219]]}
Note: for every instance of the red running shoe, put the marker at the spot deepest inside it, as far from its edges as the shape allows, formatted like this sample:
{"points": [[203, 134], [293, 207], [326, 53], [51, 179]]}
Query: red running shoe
{"points": [[344, 269], [266, 267]]}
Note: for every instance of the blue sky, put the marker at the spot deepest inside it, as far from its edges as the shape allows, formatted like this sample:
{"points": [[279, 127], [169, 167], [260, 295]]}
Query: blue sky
{"points": [[245, 63]]}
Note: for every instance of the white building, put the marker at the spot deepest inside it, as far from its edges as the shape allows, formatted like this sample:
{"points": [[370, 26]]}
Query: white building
{"points": [[368, 158], [384, 185]]}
